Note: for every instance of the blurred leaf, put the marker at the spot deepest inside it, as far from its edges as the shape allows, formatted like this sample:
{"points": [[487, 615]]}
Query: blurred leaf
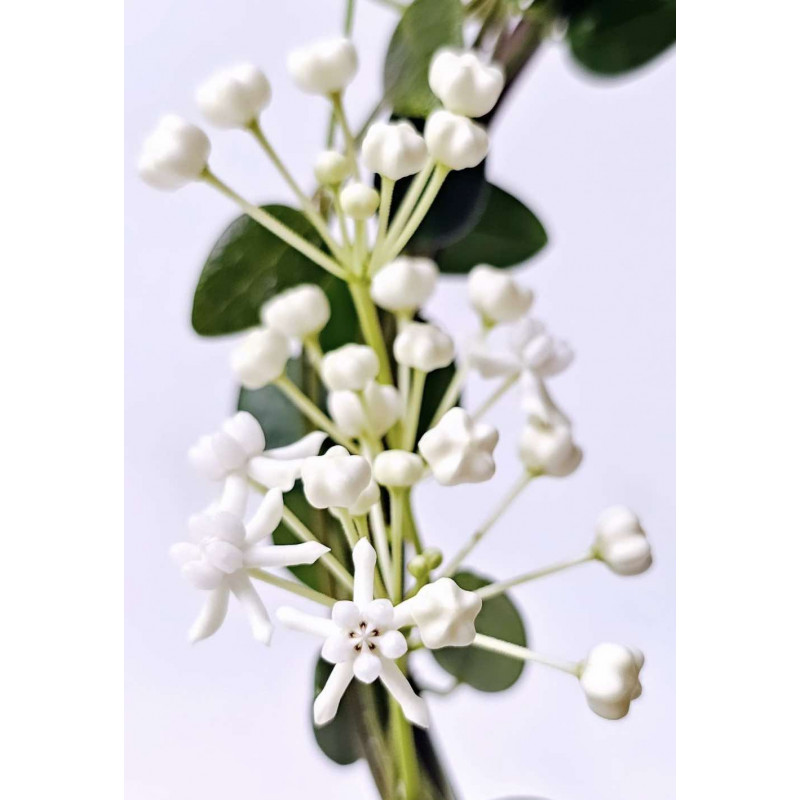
{"points": [[506, 233], [426, 25], [247, 266], [610, 37], [339, 738], [485, 671]]}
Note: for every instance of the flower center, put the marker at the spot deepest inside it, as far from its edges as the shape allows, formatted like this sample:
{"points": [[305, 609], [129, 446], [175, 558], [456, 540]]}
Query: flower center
{"points": [[363, 636]]}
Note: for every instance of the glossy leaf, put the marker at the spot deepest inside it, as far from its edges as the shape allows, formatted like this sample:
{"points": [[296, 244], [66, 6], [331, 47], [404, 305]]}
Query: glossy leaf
{"points": [[506, 233], [485, 671], [611, 37], [424, 27]]}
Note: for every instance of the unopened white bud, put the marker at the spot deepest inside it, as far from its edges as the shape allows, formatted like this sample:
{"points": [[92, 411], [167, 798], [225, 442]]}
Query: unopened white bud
{"points": [[404, 284], [298, 312], [444, 614], [260, 358], [175, 154], [393, 149], [359, 201], [350, 368], [398, 468], [455, 141], [336, 479], [372, 413], [365, 501], [324, 67], [621, 543], [234, 97], [332, 168], [549, 449], [464, 83], [610, 679], [423, 347], [496, 296]]}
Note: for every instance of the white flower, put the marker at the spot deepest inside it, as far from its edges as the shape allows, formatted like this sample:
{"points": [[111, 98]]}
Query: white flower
{"points": [[359, 201], [393, 149], [423, 347], [234, 97], [365, 501], [221, 551], [361, 641], [237, 450], [464, 83], [496, 296], [459, 450], [455, 141], [372, 413], [336, 479], [260, 358], [324, 67], [404, 284], [331, 168], [398, 468], [350, 368], [549, 449], [175, 154], [610, 679], [444, 613], [298, 312], [530, 348], [621, 543]]}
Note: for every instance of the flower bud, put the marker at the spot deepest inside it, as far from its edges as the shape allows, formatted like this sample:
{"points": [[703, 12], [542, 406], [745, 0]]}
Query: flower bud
{"points": [[365, 501], [621, 543], [175, 154], [459, 450], [234, 97], [228, 449], [324, 67], [359, 201], [260, 358], [496, 296], [394, 150], [549, 449], [445, 614], [378, 408], [331, 168], [398, 468], [335, 480], [610, 679], [349, 368], [423, 347], [464, 83], [538, 350], [298, 312], [455, 141], [404, 284]]}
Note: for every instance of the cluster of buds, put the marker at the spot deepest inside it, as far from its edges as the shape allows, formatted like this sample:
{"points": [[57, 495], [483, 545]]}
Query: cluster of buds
{"points": [[365, 451]]}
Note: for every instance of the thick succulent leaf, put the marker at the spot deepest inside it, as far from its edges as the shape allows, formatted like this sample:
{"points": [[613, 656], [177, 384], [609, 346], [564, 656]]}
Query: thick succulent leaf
{"points": [[246, 267], [506, 233], [611, 37], [485, 671], [424, 27]]}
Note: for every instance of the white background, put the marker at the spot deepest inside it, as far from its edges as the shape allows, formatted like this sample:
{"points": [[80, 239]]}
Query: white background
{"points": [[61, 335], [596, 160]]}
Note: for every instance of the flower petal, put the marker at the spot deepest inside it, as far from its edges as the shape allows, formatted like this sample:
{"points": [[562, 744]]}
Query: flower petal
{"points": [[346, 614], [287, 555], [398, 686], [306, 447], [364, 568], [184, 552], [392, 644], [338, 648], [274, 473], [306, 623], [202, 575], [234, 494], [211, 616], [327, 703], [367, 666], [379, 613], [253, 607], [224, 556], [267, 517]]}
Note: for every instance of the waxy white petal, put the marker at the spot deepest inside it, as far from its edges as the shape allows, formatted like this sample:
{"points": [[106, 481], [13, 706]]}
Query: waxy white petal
{"points": [[364, 566], [327, 703], [267, 517], [414, 707], [285, 555], [212, 615], [253, 607], [367, 666], [305, 623]]}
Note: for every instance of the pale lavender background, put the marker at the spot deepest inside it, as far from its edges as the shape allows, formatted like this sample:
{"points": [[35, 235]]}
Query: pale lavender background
{"points": [[230, 718]]}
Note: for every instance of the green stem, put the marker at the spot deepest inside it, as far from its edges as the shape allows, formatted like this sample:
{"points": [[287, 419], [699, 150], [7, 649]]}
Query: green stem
{"points": [[523, 654], [301, 590], [396, 507], [495, 396], [348, 526], [405, 753], [349, 140], [371, 327], [494, 589], [276, 227], [413, 408], [387, 191], [411, 525]]}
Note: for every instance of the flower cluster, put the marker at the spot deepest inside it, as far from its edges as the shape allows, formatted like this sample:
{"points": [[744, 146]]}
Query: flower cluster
{"points": [[364, 455]]}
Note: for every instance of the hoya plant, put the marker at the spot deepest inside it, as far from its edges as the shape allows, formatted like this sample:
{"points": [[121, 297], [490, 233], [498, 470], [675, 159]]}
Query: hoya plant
{"points": [[350, 399]]}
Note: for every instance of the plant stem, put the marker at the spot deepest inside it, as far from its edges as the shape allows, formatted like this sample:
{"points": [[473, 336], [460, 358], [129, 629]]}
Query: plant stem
{"points": [[450, 397], [276, 227], [413, 408], [304, 404], [301, 590], [396, 508], [328, 560], [381, 541], [524, 479], [341, 118], [348, 526], [495, 396], [387, 191], [523, 654], [405, 753], [371, 327], [494, 589], [411, 525]]}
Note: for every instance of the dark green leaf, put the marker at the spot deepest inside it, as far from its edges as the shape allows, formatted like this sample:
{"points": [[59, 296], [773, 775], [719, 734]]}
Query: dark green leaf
{"points": [[506, 233], [339, 738], [247, 266], [426, 25], [485, 671], [610, 37]]}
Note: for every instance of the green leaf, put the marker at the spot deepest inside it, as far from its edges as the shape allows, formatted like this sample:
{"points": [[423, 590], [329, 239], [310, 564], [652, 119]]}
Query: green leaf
{"points": [[506, 233], [339, 738], [426, 25], [485, 671], [247, 266], [611, 37]]}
